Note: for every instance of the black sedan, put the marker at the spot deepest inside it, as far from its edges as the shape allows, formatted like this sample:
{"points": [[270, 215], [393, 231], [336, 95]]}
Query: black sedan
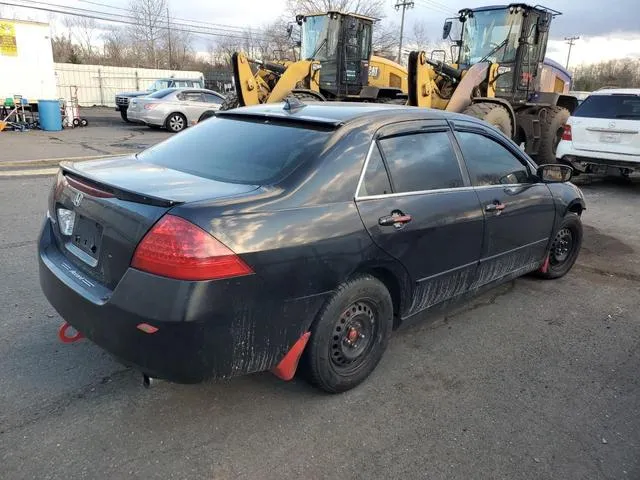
{"points": [[282, 233]]}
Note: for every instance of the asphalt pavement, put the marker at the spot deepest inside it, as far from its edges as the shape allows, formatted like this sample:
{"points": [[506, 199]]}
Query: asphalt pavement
{"points": [[534, 380]]}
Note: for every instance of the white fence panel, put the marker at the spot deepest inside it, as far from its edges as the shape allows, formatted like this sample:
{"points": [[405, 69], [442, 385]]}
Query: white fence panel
{"points": [[98, 85]]}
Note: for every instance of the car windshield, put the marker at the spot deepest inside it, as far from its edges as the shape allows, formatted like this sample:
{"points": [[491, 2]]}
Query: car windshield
{"points": [[610, 107], [161, 93], [319, 37], [158, 85], [490, 32], [238, 151]]}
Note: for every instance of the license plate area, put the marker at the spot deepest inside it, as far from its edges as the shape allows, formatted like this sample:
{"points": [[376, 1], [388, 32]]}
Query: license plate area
{"points": [[610, 137], [87, 236]]}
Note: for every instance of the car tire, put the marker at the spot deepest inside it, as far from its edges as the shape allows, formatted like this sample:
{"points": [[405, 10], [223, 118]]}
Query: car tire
{"points": [[123, 115], [230, 102], [562, 257], [176, 122], [551, 127], [492, 113], [349, 336]]}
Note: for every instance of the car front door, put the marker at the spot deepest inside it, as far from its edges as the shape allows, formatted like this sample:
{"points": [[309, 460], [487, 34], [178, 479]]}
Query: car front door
{"points": [[416, 203], [519, 210]]}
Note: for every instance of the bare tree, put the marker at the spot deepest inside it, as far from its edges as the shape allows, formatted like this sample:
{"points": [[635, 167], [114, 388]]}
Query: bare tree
{"points": [[370, 8], [83, 31], [419, 37], [385, 40], [150, 26]]}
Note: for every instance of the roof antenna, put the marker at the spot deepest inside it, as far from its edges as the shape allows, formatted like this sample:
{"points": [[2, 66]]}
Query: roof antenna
{"points": [[292, 103]]}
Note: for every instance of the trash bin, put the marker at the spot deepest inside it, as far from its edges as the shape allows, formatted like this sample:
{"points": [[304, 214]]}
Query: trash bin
{"points": [[49, 115]]}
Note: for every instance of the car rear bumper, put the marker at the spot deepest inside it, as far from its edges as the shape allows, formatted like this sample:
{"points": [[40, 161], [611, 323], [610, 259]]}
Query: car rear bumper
{"points": [[589, 161], [205, 329]]}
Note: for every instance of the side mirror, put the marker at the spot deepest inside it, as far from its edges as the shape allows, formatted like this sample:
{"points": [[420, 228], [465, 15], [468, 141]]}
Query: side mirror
{"points": [[554, 173], [446, 29]]}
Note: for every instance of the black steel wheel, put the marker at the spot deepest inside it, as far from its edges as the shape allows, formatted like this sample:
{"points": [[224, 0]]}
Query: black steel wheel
{"points": [[349, 336], [565, 247]]}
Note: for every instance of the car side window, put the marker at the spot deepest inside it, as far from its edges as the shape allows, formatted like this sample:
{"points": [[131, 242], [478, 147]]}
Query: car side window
{"points": [[422, 161], [490, 163], [211, 98], [193, 97], [376, 180]]}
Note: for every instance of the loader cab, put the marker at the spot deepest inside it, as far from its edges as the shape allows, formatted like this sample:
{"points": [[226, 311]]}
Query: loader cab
{"points": [[513, 36], [342, 44]]}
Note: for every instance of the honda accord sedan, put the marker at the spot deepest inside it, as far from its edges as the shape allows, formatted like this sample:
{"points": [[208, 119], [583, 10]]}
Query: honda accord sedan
{"points": [[174, 108], [292, 237]]}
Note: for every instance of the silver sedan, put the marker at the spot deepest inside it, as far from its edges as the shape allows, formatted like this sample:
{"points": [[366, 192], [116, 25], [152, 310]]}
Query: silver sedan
{"points": [[174, 108]]}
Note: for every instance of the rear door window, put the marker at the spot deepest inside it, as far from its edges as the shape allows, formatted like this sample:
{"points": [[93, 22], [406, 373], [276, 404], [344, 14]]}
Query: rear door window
{"points": [[490, 163], [211, 98], [239, 151], [421, 161], [610, 106]]}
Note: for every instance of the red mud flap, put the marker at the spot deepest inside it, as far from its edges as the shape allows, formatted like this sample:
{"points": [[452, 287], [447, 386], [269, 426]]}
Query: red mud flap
{"points": [[64, 338], [286, 369], [544, 268]]}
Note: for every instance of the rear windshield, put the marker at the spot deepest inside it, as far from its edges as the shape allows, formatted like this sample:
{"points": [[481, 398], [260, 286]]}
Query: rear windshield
{"points": [[161, 93], [610, 106], [238, 151]]}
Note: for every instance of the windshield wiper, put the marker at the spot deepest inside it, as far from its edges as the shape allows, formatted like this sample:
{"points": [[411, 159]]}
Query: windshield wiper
{"points": [[495, 49], [628, 115]]}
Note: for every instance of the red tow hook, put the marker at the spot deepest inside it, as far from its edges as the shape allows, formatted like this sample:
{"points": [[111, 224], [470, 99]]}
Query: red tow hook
{"points": [[64, 338]]}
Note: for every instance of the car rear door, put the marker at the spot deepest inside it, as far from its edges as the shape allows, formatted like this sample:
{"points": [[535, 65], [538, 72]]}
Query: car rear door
{"points": [[607, 123], [519, 210], [416, 203], [193, 104]]}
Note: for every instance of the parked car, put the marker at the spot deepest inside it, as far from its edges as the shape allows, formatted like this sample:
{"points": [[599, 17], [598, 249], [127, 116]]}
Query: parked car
{"points": [[274, 233], [174, 108], [603, 134], [123, 99]]}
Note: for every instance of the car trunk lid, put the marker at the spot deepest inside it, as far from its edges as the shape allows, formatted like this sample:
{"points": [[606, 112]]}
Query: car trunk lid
{"points": [[114, 203]]}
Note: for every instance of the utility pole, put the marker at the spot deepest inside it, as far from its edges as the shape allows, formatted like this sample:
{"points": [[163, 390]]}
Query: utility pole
{"points": [[404, 5], [571, 41], [169, 33]]}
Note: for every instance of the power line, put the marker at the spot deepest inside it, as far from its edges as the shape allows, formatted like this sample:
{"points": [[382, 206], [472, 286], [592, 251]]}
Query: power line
{"points": [[128, 20], [437, 7], [218, 25], [571, 42], [404, 5]]}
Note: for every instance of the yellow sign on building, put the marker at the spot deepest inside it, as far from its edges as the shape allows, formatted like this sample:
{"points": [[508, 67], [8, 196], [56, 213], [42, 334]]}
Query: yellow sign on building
{"points": [[8, 45]]}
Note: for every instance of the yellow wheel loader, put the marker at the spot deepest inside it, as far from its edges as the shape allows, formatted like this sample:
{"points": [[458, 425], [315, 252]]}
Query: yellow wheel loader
{"points": [[336, 64], [501, 76]]}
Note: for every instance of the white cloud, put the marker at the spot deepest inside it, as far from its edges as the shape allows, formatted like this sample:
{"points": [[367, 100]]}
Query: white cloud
{"points": [[596, 49]]}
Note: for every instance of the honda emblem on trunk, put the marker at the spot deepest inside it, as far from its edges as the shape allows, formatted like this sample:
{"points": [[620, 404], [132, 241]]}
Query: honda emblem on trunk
{"points": [[77, 200]]}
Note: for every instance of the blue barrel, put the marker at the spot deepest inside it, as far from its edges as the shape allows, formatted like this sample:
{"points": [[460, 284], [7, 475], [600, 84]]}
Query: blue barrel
{"points": [[49, 115]]}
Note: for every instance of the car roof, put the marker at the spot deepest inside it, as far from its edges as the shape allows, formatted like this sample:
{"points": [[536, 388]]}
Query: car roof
{"points": [[617, 91], [340, 113]]}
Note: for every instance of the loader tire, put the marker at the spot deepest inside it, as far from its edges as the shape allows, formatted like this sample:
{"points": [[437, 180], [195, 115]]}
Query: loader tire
{"points": [[493, 114], [230, 102], [551, 127]]}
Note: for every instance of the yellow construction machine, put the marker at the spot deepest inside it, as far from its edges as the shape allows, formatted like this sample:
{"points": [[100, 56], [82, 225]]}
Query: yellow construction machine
{"points": [[501, 76], [336, 64]]}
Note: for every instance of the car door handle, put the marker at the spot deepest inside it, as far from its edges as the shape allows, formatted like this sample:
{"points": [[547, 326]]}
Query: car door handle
{"points": [[395, 220], [496, 206]]}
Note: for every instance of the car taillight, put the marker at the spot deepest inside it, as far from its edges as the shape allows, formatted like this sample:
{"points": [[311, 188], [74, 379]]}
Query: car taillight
{"points": [[176, 248], [566, 133]]}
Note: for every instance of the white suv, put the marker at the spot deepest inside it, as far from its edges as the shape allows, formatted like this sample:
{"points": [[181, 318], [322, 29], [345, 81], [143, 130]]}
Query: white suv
{"points": [[603, 134]]}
